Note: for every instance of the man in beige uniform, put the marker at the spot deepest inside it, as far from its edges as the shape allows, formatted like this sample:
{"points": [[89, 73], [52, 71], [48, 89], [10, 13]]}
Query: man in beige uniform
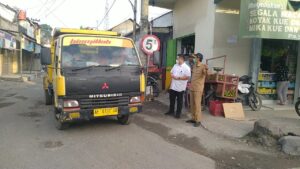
{"points": [[199, 73]]}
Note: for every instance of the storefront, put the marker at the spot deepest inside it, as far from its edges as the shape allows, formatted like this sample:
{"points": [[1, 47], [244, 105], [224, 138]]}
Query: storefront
{"points": [[8, 53], [276, 25], [272, 54], [186, 44], [220, 28], [30, 55]]}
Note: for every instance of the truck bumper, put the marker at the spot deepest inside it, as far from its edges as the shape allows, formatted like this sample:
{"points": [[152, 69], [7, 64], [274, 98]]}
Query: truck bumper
{"points": [[88, 114]]}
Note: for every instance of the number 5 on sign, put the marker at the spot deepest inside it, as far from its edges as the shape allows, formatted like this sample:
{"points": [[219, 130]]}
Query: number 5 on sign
{"points": [[150, 44]]}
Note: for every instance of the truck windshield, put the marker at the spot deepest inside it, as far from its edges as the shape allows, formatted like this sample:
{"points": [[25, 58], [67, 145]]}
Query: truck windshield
{"points": [[82, 52]]}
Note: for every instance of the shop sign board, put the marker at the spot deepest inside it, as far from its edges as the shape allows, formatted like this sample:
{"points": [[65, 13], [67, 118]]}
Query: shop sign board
{"points": [[7, 41], [27, 45], [270, 19], [2, 36], [28, 28], [1, 43]]}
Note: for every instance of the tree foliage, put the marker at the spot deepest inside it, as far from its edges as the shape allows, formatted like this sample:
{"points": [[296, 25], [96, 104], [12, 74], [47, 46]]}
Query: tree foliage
{"points": [[46, 31]]}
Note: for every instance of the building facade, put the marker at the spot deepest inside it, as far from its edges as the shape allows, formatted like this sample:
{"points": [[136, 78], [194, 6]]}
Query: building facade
{"points": [[212, 28], [8, 40], [19, 42], [162, 27]]}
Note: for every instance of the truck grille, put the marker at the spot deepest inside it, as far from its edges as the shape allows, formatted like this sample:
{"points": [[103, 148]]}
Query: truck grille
{"points": [[104, 102]]}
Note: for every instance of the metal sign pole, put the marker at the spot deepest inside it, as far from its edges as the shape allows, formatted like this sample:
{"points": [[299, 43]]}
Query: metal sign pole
{"points": [[21, 56], [147, 71]]}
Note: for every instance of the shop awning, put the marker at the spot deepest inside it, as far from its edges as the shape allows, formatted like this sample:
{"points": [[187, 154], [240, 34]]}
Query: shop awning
{"points": [[7, 40], [27, 44], [163, 3]]}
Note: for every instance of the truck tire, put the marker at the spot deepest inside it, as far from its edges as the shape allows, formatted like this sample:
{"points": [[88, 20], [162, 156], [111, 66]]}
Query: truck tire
{"points": [[124, 119], [297, 107], [58, 123], [62, 126], [48, 98]]}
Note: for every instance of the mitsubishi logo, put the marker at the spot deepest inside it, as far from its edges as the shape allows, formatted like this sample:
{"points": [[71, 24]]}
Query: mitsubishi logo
{"points": [[105, 86]]}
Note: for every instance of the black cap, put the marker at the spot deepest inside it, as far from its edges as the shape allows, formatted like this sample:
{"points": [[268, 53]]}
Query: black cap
{"points": [[199, 55]]}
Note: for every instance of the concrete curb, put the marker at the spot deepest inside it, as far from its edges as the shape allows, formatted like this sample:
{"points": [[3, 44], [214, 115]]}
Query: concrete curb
{"points": [[24, 78]]}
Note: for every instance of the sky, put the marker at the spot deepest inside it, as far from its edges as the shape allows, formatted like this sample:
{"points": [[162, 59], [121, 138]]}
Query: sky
{"points": [[76, 13]]}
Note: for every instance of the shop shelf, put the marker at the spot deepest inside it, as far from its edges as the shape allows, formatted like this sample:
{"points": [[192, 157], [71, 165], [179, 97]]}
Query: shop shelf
{"points": [[266, 91], [230, 79], [292, 85], [229, 91], [222, 78], [266, 76], [267, 84], [215, 78], [291, 92]]}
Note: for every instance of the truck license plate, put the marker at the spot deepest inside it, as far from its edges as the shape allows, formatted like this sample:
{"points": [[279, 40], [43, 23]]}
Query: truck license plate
{"points": [[106, 112]]}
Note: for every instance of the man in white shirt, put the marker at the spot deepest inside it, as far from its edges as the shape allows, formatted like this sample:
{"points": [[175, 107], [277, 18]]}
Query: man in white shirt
{"points": [[180, 74]]}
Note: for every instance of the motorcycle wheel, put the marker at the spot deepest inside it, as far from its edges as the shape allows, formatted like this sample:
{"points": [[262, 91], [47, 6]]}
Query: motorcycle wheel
{"points": [[155, 90], [255, 102], [297, 107]]}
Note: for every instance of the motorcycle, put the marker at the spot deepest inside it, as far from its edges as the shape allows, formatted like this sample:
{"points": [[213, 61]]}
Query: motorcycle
{"points": [[247, 94], [297, 106], [152, 81]]}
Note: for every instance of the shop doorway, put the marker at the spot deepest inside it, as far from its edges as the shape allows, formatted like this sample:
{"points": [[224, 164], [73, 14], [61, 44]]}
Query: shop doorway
{"points": [[187, 45], [6, 62], [272, 52]]}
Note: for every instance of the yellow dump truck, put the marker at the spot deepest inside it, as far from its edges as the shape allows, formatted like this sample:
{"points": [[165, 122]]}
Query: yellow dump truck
{"points": [[92, 74]]}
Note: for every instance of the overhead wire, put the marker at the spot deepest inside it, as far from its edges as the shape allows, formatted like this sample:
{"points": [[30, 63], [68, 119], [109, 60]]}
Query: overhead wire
{"points": [[106, 14], [42, 6], [47, 8], [55, 8]]}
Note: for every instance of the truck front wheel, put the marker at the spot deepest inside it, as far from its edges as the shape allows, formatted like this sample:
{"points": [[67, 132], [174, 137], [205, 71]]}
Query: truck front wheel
{"points": [[58, 122], [124, 119], [48, 98]]}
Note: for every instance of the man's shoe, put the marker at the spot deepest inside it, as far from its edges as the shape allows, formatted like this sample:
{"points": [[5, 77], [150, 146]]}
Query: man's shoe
{"points": [[169, 114], [197, 124], [177, 116], [190, 121]]}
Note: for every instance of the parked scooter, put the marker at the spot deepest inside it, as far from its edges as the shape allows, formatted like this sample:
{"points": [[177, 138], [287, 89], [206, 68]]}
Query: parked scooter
{"points": [[247, 94], [297, 106], [152, 81]]}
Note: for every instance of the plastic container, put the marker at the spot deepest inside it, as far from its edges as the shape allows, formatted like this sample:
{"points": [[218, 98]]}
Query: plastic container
{"points": [[216, 108]]}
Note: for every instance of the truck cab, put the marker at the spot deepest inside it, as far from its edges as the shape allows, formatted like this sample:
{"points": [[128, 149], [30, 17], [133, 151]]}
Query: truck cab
{"points": [[92, 74]]}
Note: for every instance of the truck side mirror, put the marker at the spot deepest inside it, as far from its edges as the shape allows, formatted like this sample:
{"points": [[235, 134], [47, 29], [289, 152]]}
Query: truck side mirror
{"points": [[45, 56], [156, 59]]}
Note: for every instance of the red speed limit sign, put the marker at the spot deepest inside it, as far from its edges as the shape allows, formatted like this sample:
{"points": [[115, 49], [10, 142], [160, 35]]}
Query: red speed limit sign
{"points": [[150, 44]]}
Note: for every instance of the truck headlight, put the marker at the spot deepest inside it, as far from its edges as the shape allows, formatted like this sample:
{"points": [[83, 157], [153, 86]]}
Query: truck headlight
{"points": [[71, 103], [136, 99]]}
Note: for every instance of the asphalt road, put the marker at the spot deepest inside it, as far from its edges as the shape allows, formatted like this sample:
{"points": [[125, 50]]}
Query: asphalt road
{"points": [[29, 139]]}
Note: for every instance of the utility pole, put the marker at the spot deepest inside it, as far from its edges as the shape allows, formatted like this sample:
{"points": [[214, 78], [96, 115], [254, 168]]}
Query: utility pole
{"points": [[134, 10], [144, 31], [134, 22], [106, 19], [21, 54], [144, 26]]}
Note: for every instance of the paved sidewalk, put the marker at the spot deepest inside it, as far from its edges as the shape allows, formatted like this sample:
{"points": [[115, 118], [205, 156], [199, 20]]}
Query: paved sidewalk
{"points": [[19, 77], [288, 121]]}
